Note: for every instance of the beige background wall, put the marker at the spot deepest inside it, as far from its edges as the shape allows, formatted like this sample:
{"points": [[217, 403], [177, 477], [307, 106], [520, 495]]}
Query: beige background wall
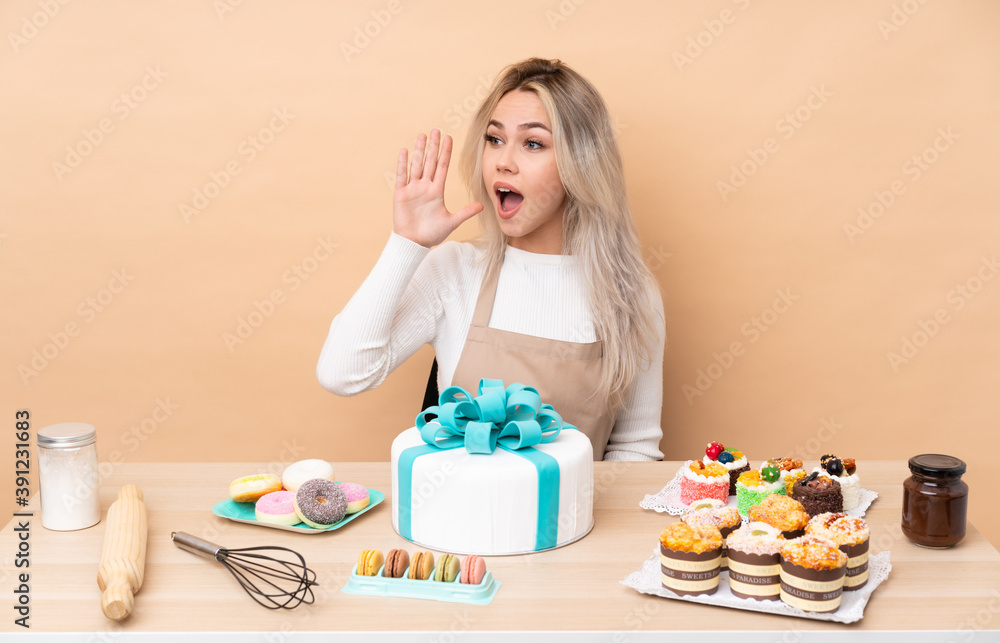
{"points": [[754, 135]]}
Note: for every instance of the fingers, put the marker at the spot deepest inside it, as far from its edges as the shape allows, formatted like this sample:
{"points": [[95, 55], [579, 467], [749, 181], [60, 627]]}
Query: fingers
{"points": [[416, 166], [401, 169], [430, 158], [442, 165]]}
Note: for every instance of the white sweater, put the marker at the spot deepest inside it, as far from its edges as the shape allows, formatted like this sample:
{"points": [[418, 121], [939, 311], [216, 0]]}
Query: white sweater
{"points": [[415, 296]]}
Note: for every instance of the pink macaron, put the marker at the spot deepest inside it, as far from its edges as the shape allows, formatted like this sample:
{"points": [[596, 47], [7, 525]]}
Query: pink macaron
{"points": [[473, 570], [277, 507], [357, 496]]}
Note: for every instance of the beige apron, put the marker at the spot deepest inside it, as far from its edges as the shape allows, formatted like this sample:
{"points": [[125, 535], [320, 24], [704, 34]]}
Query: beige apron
{"points": [[566, 374]]}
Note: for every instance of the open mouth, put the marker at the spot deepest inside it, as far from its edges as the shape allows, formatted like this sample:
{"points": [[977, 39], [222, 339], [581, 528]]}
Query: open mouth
{"points": [[509, 199]]}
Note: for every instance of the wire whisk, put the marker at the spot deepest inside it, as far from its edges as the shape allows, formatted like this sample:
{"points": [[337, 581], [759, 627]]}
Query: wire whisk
{"points": [[285, 584]]}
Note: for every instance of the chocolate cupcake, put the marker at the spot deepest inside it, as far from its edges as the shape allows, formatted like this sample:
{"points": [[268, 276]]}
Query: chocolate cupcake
{"points": [[851, 536], [784, 514], [712, 512], [818, 494], [812, 574], [755, 562], [690, 559], [844, 472]]}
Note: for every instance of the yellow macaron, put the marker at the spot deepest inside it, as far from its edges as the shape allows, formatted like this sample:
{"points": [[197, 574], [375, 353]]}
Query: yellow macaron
{"points": [[369, 562]]}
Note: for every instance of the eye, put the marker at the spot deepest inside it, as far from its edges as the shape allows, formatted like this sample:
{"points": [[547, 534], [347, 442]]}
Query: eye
{"points": [[532, 141], [492, 140]]}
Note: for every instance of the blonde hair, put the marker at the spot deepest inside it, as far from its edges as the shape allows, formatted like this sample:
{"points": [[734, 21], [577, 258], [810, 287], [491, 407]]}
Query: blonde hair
{"points": [[597, 223]]}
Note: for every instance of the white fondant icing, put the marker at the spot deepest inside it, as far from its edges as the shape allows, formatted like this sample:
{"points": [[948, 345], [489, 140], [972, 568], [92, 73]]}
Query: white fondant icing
{"points": [[488, 504]]}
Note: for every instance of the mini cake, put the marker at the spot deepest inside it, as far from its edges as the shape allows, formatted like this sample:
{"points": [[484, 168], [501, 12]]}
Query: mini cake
{"points": [[851, 535], [818, 494], [789, 465], [754, 486], [755, 562], [711, 512], [783, 513], [690, 559], [791, 477], [702, 480], [734, 461], [812, 574], [844, 472]]}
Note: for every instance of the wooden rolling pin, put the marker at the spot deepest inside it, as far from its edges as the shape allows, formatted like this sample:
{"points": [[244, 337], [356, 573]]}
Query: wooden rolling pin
{"points": [[123, 558]]}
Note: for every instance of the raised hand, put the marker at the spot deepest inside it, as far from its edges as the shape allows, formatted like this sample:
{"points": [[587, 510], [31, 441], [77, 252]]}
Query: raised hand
{"points": [[418, 210]]}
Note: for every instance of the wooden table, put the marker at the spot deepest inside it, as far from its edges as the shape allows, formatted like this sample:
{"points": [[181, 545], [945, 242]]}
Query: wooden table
{"points": [[574, 589]]}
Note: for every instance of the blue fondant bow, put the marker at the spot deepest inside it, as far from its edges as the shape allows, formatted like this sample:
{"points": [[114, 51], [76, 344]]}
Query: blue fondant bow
{"points": [[513, 417]]}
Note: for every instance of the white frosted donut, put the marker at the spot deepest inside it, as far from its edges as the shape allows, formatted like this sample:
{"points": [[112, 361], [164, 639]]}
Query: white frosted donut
{"points": [[298, 472]]}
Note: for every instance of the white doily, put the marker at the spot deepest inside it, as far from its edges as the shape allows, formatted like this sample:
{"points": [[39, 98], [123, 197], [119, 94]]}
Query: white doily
{"points": [[647, 580], [668, 499]]}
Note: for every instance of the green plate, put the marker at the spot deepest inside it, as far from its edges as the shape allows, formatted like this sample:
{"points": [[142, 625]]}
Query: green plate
{"points": [[244, 512]]}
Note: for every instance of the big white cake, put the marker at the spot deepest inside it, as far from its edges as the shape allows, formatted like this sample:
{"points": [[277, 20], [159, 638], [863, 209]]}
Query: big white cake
{"points": [[488, 504]]}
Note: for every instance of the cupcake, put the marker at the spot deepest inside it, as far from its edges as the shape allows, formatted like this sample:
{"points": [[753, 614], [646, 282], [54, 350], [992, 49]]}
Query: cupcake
{"points": [[754, 486], [844, 472], [783, 513], [713, 512], [812, 574], [818, 494], [690, 559], [734, 461], [702, 480], [851, 536], [755, 562]]}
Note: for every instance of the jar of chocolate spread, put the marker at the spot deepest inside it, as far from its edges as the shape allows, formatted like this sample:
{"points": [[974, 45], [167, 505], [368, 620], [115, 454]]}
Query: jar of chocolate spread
{"points": [[935, 501]]}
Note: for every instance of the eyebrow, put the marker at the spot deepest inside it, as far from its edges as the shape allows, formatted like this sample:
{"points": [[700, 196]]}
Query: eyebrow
{"points": [[522, 126]]}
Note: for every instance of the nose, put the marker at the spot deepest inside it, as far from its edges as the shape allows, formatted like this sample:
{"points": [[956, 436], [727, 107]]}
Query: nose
{"points": [[505, 160]]}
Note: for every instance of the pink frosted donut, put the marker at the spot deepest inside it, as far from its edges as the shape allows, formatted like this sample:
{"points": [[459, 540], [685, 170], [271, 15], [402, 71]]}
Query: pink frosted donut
{"points": [[357, 496], [277, 507]]}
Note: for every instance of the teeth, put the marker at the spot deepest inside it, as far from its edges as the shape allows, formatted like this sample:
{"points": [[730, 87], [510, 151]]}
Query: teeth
{"points": [[503, 190]]}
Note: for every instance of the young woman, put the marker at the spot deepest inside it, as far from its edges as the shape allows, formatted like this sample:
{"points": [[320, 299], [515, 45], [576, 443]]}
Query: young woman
{"points": [[554, 294]]}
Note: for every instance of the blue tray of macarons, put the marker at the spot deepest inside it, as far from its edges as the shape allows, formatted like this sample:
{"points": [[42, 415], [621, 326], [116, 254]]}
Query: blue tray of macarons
{"points": [[244, 512], [451, 592]]}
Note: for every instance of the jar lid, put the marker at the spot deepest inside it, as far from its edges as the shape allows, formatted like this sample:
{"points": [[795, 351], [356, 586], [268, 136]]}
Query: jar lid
{"points": [[68, 435], [937, 464]]}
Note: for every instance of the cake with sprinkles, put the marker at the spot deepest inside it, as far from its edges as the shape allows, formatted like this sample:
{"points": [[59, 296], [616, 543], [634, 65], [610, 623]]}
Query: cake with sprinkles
{"points": [[700, 481], [844, 471], [785, 514], [753, 487], [851, 536], [812, 574], [755, 561], [732, 459], [713, 512]]}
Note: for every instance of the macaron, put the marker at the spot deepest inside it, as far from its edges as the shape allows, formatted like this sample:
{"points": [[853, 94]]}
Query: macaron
{"points": [[369, 562], [277, 508], [473, 570], [396, 562], [299, 472], [421, 565], [357, 496], [447, 569]]}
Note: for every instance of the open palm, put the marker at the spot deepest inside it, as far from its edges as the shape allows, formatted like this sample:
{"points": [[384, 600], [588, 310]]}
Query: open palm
{"points": [[418, 210]]}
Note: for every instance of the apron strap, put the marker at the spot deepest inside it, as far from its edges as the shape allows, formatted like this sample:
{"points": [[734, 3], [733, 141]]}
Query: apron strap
{"points": [[484, 304]]}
